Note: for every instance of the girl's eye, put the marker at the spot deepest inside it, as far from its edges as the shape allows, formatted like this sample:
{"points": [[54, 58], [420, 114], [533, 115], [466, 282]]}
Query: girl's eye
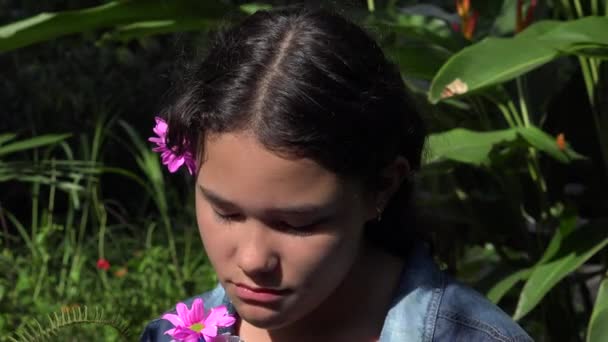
{"points": [[300, 230], [303, 230], [226, 218]]}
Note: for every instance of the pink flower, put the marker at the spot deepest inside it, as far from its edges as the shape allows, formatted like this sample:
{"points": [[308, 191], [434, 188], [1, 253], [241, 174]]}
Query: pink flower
{"points": [[169, 156], [191, 324]]}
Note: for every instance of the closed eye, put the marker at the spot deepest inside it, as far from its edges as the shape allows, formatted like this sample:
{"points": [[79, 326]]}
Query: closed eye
{"points": [[298, 230], [227, 217]]}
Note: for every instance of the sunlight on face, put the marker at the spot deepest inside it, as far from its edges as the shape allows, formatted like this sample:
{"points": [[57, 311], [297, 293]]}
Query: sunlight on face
{"points": [[281, 234]]}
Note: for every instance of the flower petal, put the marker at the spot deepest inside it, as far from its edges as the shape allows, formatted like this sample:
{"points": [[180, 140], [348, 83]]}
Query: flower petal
{"points": [[182, 312], [219, 317], [191, 338], [170, 331], [167, 156], [161, 127], [175, 164], [174, 319], [197, 313], [209, 332], [157, 140]]}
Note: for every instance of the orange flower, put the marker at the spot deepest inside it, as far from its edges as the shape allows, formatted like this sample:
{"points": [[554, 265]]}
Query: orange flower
{"points": [[463, 7], [468, 18], [522, 22], [121, 272], [561, 141]]}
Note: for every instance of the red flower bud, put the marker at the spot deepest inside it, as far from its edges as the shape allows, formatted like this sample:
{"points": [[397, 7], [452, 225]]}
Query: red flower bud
{"points": [[522, 22], [103, 264]]}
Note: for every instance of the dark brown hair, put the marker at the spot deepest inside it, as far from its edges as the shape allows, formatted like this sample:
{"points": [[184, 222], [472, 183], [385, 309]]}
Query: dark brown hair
{"points": [[307, 83]]}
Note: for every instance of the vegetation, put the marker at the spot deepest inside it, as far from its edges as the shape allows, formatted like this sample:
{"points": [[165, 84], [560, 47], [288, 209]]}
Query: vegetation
{"points": [[513, 188]]}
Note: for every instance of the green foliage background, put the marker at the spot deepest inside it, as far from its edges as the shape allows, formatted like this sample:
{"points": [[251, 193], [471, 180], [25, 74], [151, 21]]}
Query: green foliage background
{"points": [[513, 190]]}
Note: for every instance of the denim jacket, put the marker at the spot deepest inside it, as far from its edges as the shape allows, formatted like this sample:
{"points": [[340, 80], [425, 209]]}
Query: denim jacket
{"points": [[429, 306]]}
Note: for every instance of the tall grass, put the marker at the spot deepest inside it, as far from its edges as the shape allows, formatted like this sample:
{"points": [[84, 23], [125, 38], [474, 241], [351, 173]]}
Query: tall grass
{"points": [[51, 256]]}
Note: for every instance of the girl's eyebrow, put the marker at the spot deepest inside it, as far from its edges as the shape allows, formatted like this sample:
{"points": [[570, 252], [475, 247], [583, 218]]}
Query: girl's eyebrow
{"points": [[299, 210]]}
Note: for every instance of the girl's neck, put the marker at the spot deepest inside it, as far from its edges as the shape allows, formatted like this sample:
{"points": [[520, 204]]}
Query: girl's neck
{"points": [[354, 312]]}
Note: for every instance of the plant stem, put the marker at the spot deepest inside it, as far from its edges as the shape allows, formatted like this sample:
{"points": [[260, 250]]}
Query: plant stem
{"points": [[35, 199], [514, 113], [4, 227], [102, 220], [594, 7], [522, 101], [590, 73], [567, 9], [371, 6], [52, 194], [579, 9], [505, 113], [68, 248]]}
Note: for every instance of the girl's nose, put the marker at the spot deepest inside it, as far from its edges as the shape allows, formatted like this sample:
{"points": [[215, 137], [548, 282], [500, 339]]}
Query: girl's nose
{"points": [[255, 254]]}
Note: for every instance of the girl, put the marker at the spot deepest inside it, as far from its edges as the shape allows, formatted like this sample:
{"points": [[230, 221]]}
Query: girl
{"points": [[305, 143]]}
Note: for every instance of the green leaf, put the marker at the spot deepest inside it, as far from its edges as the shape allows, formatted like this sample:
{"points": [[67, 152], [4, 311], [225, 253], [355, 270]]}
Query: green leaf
{"points": [[6, 137], [254, 7], [471, 147], [148, 28], [567, 226], [46, 26], [418, 60], [496, 60], [35, 142], [464, 145], [597, 331], [420, 27], [506, 20], [576, 248], [501, 288], [546, 143]]}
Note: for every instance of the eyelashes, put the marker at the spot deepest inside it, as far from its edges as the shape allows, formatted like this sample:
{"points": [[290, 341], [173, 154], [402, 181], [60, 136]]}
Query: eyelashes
{"points": [[304, 230]]}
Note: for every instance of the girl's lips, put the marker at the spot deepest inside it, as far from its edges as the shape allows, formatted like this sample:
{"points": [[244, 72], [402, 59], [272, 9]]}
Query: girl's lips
{"points": [[261, 295]]}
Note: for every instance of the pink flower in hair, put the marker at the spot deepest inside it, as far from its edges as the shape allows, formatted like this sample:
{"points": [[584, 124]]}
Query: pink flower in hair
{"points": [[169, 156]]}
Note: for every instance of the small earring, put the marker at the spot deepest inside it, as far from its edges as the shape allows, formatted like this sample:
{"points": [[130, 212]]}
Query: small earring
{"points": [[379, 211]]}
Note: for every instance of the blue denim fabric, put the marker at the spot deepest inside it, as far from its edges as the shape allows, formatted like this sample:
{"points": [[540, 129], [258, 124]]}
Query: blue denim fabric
{"points": [[429, 306]]}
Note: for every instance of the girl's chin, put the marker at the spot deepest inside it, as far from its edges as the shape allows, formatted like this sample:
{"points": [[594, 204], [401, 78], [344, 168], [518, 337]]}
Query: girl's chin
{"points": [[263, 317]]}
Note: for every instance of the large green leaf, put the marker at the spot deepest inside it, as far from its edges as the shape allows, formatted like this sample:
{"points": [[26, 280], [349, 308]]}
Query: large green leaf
{"points": [[566, 227], [598, 324], [147, 28], [576, 248], [501, 288], [464, 145], [419, 27], [35, 142], [418, 60], [6, 137], [547, 143], [46, 26], [496, 60], [473, 147]]}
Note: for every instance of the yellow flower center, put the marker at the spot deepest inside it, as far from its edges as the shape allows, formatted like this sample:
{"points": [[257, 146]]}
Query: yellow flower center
{"points": [[197, 327]]}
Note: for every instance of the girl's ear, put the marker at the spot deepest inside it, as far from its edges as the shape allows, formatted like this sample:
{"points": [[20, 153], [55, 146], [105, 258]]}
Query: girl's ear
{"points": [[390, 180]]}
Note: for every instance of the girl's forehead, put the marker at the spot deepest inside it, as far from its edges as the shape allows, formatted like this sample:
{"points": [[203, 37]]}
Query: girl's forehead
{"points": [[238, 167]]}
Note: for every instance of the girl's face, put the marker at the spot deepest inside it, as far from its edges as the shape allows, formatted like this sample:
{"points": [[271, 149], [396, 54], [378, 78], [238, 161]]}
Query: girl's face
{"points": [[282, 234]]}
